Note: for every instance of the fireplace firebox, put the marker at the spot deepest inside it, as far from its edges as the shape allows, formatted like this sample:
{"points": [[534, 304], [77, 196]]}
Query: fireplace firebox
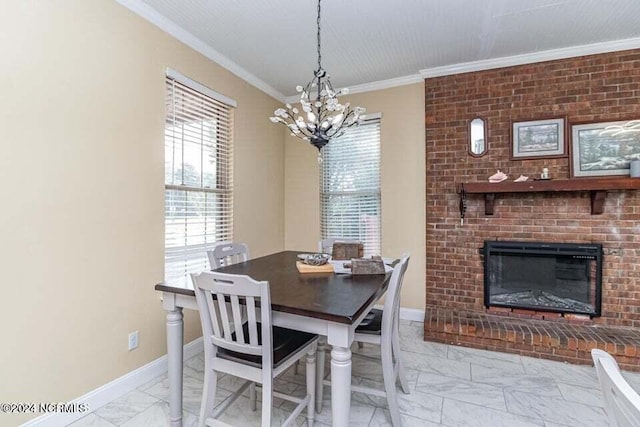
{"points": [[557, 277]]}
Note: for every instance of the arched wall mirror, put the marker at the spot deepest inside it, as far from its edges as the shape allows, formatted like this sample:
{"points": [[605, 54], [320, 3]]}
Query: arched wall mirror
{"points": [[478, 137]]}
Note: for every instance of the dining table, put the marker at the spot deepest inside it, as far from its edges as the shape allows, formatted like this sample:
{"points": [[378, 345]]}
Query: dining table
{"points": [[328, 304]]}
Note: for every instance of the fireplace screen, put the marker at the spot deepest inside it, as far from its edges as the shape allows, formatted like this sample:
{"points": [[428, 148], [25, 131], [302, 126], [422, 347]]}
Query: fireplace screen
{"points": [[559, 277]]}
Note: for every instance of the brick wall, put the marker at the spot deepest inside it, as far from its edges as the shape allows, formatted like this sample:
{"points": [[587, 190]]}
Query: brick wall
{"points": [[591, 88]]}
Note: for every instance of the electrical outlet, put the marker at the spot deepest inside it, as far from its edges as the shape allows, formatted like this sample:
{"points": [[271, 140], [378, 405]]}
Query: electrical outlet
{"points": [[133, 340]]}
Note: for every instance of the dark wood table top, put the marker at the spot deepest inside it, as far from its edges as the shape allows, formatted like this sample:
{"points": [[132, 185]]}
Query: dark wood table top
{"points": [[339, 298]]}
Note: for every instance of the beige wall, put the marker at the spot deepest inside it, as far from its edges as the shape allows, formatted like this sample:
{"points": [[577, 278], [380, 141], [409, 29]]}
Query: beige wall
{"points": [[402, 135], [81, 119]]}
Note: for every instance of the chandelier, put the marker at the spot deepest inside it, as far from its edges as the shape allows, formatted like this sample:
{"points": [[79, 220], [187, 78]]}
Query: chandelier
{"points": [[323, 117]]}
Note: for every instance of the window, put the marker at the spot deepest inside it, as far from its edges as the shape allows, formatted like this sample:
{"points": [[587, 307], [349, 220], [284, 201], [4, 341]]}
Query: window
{"points": [[350, 186], [198, 175]]}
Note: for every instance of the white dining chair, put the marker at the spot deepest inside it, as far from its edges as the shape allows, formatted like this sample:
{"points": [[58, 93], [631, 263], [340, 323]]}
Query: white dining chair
{"points": [[258, 354], [227, 253], [222, 255], [325, 246], [380, 327], [622, 403]]}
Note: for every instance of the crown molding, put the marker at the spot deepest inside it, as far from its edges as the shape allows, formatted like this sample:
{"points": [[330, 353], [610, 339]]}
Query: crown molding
{"points": [[368, 87], [530, 58], [173, 29]]}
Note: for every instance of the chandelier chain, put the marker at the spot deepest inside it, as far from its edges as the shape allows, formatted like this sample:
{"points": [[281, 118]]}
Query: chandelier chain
{"points": [[318, 35], [323, 116]]}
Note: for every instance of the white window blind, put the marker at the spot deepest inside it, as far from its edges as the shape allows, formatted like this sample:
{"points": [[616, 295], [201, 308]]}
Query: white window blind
{"points": [[198, 178], [350, 187]]}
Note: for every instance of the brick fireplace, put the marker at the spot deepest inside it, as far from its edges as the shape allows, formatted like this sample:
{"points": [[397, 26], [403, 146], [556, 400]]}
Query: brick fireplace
{"points": [[604, 87]]}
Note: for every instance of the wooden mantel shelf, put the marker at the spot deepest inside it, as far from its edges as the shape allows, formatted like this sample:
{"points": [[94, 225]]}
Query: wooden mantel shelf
{"points": [[597, 186]]}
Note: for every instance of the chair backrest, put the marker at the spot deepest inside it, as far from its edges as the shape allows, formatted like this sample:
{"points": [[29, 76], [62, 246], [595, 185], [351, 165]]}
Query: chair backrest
{"points": [[325, 246], [622, 403], [227, 253], [213, 292], [390, 312]]}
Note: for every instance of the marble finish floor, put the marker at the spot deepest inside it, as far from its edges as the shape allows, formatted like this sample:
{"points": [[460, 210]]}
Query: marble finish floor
{"points": [[450, 386]]}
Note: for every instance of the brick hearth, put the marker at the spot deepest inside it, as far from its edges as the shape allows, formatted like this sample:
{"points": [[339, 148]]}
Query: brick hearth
{"points": [[558, 340]]}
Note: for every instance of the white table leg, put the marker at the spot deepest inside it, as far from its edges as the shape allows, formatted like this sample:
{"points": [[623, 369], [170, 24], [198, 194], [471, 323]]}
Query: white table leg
{"points": [[340, 386], [322, 344], [175, 332]]}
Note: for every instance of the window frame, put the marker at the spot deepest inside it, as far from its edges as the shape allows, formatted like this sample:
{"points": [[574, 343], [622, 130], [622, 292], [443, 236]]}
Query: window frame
{"points": [[206, 208], [372, 246]]}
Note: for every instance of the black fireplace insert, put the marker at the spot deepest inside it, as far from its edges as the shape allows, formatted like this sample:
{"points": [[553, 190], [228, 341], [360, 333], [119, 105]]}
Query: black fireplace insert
{"points": [[557, 277]]}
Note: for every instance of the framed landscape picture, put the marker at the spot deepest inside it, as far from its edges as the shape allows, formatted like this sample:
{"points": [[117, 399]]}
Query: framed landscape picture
{"points": [[603, 149], [535, 139]]}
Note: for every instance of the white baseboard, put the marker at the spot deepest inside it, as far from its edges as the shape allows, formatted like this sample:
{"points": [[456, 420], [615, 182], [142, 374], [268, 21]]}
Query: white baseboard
{"points": [[114, 389], [413, 314]]}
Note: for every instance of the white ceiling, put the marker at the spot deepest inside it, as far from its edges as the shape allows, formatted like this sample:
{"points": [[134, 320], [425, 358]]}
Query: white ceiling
{"points": [[271, 43]]}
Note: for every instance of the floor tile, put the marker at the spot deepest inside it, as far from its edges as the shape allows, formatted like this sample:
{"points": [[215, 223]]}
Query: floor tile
{"points": [[437, 365], [555, 410], [366, 368], [382, 418], [191, 393], [463, 390], [301, 377], [368, 399], [563, 372], [375, 374], [587, 396], [633, 378], [91, 420], [371, 350], [461, 414], [360, 414], [411, 339], [482, 371], [491, 359], [196, 362], [419, 405], [241, 414], [126, 407], [153, 382], [157, 415], [513, 381], [450, 386]]}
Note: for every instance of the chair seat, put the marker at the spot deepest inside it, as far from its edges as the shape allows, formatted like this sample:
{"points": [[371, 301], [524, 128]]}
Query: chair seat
{"points": [[285, 343], [371, 324]]}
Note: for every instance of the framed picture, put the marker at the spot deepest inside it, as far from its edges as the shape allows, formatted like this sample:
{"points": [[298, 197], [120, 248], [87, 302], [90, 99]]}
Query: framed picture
{"points": [[603, 149], [536, 139]]}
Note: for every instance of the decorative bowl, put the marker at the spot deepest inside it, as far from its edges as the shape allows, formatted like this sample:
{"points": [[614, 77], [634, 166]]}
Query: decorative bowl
{"points": [[314, 259]]}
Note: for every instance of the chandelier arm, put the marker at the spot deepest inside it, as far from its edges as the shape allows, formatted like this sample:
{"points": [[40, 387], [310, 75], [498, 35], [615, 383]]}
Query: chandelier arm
{"points": [[303, 131], [289, 116], [307, 92], [323, 114], [348, 113]]}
